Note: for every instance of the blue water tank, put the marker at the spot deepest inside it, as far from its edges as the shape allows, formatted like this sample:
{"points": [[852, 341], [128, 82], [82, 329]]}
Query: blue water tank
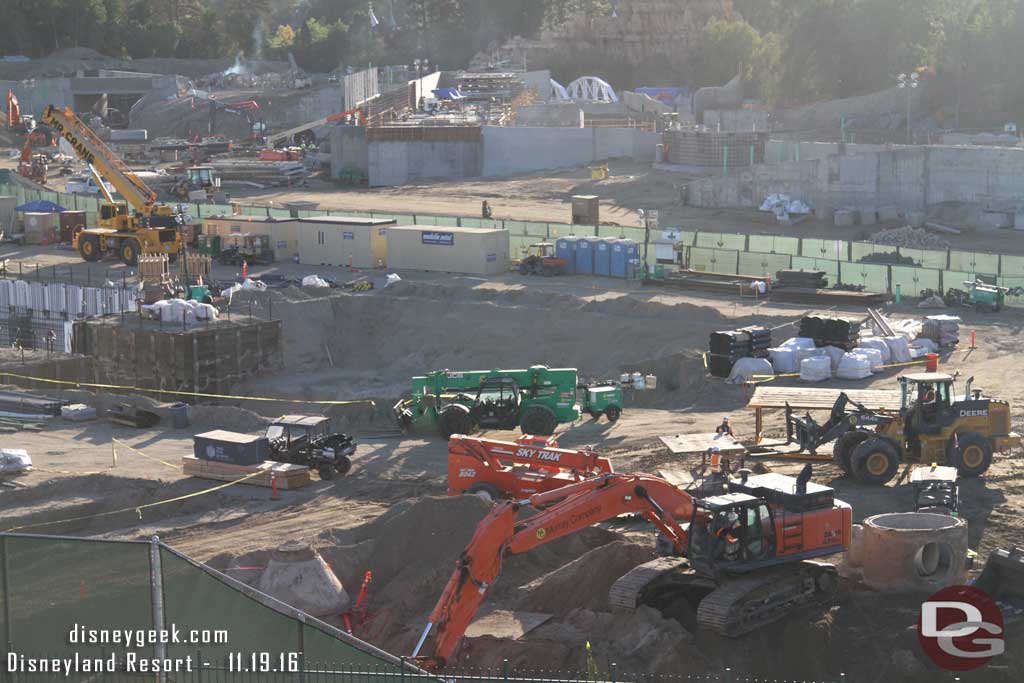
{"points": [[603, 256], [586, 247], [565, 248]]}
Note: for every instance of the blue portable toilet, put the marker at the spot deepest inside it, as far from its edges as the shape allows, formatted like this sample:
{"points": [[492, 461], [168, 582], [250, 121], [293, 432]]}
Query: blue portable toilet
{"points": [[603, 256], [565, 248], [618, 259], [632, 254], [585, 255]]}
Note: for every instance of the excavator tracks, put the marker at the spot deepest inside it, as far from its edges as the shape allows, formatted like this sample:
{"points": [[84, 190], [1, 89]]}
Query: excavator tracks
{"points": [[738, 604], [626, 592], [743, 604]]}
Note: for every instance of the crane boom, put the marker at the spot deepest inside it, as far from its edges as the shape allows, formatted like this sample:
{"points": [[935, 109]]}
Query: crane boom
{"points": [[90, 149], [287, 134], [586, 503]]}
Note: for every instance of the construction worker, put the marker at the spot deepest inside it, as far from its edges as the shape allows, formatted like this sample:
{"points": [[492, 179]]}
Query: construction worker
{"points": [[485, 209], [724, 428], [729, 535]]}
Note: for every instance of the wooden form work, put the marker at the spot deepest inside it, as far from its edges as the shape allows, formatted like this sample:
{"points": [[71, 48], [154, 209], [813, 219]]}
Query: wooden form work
{"points": [[695, 444], [288, 476], [814, 398]]}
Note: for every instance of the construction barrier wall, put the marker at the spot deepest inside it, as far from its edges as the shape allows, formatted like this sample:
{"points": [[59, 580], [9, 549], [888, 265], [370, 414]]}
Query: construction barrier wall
{"points": [[50, 584], [757, 255]]}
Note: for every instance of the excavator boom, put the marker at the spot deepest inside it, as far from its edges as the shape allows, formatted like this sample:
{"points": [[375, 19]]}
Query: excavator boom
{"points": [[587, 503]]}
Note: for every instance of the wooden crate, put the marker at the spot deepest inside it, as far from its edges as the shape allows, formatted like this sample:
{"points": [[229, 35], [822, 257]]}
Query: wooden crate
{"points": [[196, 265], [288, 476], [153, 266]]}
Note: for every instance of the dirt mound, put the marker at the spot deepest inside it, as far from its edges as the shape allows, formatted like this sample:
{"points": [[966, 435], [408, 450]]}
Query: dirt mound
{"points": [[231, 418], [585, 581]]}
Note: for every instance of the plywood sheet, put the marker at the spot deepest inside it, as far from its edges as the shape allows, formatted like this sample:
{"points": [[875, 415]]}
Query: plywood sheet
{"points": [[811, 398], [688, 444]]}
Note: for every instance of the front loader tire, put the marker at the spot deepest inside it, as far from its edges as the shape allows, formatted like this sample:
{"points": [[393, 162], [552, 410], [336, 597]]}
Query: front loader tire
{"points": [[842, 451], [875, 461], [538, 420], [974, 455]]}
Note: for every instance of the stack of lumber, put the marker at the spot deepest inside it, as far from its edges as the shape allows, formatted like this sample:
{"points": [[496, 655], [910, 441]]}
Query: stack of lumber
{"points": [[19, 404], [727, 347], [259, 171], [825, 331], [288, 476], [810, 279]]}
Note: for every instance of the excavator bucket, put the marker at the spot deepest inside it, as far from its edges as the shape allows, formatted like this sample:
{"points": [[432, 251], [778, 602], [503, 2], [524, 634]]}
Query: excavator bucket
{"points": [[1003, 576]]}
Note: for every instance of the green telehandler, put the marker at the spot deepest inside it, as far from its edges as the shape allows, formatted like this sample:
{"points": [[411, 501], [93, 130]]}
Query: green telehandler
{"points": [[536, 399]]}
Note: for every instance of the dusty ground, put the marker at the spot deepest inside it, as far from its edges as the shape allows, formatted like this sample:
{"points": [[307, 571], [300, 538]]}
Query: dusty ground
{"points": [[375, 341], [367, 345]]}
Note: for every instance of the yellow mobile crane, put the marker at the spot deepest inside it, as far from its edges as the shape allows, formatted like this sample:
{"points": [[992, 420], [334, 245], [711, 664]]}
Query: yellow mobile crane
{"points": [[152, 229]]}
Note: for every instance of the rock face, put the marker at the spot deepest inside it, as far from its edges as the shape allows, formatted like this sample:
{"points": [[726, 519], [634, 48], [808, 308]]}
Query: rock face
{"points": [[642, 32], [298, 576]]}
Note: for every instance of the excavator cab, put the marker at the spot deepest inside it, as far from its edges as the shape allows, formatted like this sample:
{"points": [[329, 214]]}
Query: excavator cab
{"points": [[731, 532]]}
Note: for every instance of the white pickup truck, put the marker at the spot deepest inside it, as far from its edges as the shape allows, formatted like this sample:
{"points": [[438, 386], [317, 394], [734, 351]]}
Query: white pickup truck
{"points": [[85, 185]]}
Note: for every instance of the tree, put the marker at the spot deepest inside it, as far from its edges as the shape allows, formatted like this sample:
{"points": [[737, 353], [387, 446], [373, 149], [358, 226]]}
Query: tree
{"points": [[283, 38]]}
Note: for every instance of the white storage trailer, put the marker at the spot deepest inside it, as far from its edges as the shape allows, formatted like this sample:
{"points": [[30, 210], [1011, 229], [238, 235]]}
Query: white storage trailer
{"points": [[471, 251], [343, 241]]}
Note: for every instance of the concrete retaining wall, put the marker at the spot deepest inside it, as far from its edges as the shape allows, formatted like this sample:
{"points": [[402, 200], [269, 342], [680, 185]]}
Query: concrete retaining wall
{"points": [[510, 150], [909, 178], [396, 163], [349, 151]]}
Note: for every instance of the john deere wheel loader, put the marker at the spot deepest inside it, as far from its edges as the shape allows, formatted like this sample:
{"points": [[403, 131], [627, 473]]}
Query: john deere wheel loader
{"points": [[933, 426]]}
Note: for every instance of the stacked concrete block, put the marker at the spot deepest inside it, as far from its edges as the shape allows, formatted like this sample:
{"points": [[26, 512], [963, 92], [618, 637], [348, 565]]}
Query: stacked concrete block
{"points": [[844, 218], [916, 219], [868, 217], [994, 220], [889, 213]]}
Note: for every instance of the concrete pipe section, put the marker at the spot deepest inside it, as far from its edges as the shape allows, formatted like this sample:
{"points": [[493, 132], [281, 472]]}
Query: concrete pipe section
{"points": [[298, 576], [912, 551]]}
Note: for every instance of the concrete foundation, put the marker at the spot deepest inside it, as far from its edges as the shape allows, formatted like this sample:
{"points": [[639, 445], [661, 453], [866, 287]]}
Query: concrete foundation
{"points": [[889, 213], [911, 551], [298, 576]]}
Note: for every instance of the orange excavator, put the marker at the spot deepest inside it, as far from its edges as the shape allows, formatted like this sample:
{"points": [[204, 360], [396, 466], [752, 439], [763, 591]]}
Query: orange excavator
{"points": [[734, 561], [493, 469]]}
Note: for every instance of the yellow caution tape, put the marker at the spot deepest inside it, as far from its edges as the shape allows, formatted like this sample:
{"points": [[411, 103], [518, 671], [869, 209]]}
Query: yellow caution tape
{"points": [[118, 442], [138, 510], [186, 393]]}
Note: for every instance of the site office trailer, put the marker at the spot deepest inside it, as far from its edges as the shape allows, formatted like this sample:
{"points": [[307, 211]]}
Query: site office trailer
{"points": [[470, 251], [343, 241], [282, 233]]}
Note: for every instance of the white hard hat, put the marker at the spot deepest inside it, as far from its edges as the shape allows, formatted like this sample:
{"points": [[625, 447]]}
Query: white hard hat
{"points": [[715, 449], [725, 419]]}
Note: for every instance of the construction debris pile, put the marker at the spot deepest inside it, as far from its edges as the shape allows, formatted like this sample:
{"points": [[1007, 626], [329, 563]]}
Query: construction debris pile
{"points": [[909, 237]]}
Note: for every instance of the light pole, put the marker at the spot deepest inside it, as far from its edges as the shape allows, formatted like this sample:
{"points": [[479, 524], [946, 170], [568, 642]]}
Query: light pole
{"points": [[909, 83]]}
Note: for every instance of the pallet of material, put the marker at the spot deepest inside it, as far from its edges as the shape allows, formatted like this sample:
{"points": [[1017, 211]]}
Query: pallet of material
{"points": [[711, 282], [288, 476], [17, 403], [835, 296]]}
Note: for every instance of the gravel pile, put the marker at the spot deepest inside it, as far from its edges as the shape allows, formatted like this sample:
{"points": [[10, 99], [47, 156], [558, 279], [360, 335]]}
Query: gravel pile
{"points": [[910, 237]]}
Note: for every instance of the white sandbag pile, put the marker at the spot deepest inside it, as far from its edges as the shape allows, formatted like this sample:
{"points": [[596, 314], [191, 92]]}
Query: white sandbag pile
{"points": [[745, 368], [785, 359], [944, 330], [816, 369], [877, 343], [873, 355], [14, 460], [899, 349], [314, 281], [922, 346], [854, 366]]}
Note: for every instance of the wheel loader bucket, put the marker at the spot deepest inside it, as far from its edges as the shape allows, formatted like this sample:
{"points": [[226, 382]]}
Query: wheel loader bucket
{"points": [[1003, 576]]}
